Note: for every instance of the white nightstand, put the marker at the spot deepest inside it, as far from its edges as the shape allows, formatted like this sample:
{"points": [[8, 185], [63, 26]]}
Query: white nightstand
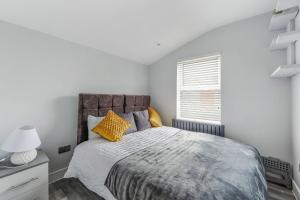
{"points": [[28, 182]]}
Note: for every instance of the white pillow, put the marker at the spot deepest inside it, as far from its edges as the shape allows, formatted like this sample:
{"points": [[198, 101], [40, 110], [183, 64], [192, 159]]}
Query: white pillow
{"points": [[92, 122]]}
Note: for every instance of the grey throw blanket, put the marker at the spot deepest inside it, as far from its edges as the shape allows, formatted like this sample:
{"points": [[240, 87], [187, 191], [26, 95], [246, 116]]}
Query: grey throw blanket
{"points": [[190, 166]]}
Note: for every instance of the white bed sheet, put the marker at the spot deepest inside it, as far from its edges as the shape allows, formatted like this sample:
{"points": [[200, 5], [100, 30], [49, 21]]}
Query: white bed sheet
{"points": [[93, 159]]}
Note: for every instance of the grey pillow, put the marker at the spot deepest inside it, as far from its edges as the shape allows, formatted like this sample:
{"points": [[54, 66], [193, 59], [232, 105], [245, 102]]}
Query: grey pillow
{"points": [[142, 120], [92, 121], [129, 117]]}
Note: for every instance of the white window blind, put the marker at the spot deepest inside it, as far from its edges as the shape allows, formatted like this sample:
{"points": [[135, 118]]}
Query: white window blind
{"points": [[199, 89]]}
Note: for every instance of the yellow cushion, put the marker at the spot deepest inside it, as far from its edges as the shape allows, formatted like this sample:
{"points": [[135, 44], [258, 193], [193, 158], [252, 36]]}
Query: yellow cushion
{"points": [[154, 117], [112, 127]]}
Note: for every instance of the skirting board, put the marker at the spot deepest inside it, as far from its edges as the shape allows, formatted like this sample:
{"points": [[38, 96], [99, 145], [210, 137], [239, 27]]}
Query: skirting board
{"points": [[57, 175], [296, 190]]}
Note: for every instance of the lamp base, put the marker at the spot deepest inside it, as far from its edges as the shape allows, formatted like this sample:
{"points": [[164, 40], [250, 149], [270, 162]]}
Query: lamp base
{"points": [[21, 158]]}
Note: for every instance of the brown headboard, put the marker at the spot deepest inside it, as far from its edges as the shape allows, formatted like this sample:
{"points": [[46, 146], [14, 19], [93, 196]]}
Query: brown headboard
{"points": [[100, 104]]}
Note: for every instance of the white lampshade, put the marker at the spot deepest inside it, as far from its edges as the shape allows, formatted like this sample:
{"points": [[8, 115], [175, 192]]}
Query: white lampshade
{"points": [[22, 139]]}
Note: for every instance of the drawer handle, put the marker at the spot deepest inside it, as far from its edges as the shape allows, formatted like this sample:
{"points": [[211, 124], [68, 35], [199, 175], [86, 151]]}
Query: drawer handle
{"points": [[22, 184]]}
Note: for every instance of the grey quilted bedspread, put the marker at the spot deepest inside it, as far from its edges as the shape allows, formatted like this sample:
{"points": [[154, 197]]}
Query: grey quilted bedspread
{"points": [[190, 166]]}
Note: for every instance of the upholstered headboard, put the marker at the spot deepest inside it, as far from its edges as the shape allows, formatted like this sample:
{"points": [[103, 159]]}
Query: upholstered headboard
{"points": [[100, 104]]}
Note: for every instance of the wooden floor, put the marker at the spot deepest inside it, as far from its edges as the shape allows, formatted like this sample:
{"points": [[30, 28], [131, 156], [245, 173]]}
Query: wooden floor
{"points": [[73, 189], [279, 193]]}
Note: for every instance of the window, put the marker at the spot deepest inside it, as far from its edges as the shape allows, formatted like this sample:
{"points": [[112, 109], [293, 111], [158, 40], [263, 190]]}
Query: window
{"points": [[199, 89]]}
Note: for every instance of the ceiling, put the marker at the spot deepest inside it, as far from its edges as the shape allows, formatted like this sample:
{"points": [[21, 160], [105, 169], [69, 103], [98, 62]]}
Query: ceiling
{"points": [[130, 29]]}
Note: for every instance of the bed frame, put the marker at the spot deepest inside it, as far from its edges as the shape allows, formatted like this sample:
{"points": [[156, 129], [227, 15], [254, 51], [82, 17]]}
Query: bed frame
{"points": [[100, 104]]}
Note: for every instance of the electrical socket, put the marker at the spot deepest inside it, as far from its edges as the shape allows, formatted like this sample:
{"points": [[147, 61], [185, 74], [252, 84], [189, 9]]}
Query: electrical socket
{"points": [[64, 149]]}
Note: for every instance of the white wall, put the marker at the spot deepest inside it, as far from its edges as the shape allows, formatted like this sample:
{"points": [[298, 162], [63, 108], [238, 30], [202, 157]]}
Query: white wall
{"points": [[41, 76], [296, 113], [296, 125], [255, 107]]}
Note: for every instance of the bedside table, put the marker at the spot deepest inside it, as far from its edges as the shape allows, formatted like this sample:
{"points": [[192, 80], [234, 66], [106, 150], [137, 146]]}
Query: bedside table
{"points": [[29, 182]]}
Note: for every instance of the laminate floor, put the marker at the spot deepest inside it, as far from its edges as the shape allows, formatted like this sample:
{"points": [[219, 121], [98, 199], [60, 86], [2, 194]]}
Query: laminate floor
{"points": [[277, 192], [73, 189]]}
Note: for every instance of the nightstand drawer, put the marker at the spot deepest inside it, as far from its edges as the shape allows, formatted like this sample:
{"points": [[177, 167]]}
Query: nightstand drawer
{"points": [[24, 181], [40, 193]]}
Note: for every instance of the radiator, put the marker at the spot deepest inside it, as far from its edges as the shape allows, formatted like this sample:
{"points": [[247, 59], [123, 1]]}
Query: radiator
{"points": [[213, 129]]}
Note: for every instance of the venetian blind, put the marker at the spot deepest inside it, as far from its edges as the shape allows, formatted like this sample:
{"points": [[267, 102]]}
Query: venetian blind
{"points": [[199, 89]]}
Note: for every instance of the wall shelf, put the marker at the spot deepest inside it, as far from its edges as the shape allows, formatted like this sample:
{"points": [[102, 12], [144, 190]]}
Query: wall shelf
{"points": [[280, 20], [286, 71], [284, 18], [285, 4], [283, 40]]}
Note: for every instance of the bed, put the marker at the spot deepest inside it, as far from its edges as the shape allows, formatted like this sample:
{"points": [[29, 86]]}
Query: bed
{"points": [[162, 163]]}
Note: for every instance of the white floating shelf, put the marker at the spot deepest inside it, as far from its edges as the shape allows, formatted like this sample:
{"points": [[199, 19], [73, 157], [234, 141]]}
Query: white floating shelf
{"points": [[283, 40], [285, 4], [286, 71], [281, 19]]}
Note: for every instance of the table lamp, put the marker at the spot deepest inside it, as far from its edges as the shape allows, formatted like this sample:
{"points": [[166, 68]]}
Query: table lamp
{"points": [[22, 143]]}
